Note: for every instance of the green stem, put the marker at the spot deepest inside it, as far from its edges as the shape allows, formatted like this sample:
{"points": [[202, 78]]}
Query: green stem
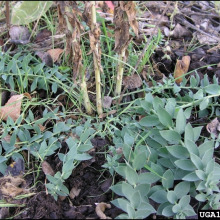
{"points": [[120, 74]]}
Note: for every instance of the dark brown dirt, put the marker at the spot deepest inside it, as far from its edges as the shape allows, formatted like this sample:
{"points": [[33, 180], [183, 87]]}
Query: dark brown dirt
{"points": [[89, 177]]}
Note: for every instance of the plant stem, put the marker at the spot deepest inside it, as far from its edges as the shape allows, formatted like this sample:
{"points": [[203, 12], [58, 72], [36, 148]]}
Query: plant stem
{"points": [[96, 66], [120, 74], [86, 100]]}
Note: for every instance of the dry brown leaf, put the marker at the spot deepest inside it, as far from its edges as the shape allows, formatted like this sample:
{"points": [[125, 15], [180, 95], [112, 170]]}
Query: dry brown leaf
{"points": [[55, 53], [179, 32], [129, 8], [74, 192], [42, 128], [43, 35], [132, 82], [122, 37], [12, 186], [26, 94], [45, 57], [181, 68], [19, 34], [47, 169], [107, 101], [87, 16], [62, 23], [12, 108], [94, 38], [103, 115], [4, 212], [100, 208], [214, 127]]}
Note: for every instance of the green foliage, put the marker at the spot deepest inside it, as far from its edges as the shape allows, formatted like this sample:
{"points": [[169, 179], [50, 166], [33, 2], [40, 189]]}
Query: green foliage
{"points": [[166, 150]]}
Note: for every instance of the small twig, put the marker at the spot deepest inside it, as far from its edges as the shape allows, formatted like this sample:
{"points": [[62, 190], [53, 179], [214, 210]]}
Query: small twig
{"points": [[149, 40]]}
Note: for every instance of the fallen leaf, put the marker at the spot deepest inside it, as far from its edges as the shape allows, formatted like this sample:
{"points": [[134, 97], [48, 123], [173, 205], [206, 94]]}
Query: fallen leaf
{"points": [[107, 101], [204, 39], [43, 35], [106, 6], [100, 208], [55, 53], [132, 82], [181, 68], [19, 35], [179, 32], [16, 168], [47, 169], [45, 57], [1, 42], [214, 127], [42, 128], [12, 186], [74, 192], [4, 212], [12, 108], [27, 95], [103, 115]]}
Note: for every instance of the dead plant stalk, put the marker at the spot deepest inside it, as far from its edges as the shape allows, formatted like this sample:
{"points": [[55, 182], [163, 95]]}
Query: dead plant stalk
{"points": [[96, 66], [84, 90]]}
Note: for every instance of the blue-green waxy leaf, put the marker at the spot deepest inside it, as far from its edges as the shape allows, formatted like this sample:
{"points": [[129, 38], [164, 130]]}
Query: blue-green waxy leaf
{"points": [[167, 211], [180, 121], [123, 189], [178, 151], [170, 106], [60, 127], [139, 161], [198, 94], [159, 196], [191, 177], [213, 89], [148, 178], [203, 148], [172, 197], [201, 197], [128, 139], [148, 121], [185, 165], [197, 161], [182, 189], [204, 104], [164, 117], [128, 173], [135, 199], [168, 179], [192, 147], [171, 136], [121, 204], [54, 87], [201, 174], [143, 189], [189, 135]]}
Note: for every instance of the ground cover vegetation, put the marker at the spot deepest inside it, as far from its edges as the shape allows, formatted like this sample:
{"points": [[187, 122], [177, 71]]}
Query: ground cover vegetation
{"points": [[109, 109]]}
